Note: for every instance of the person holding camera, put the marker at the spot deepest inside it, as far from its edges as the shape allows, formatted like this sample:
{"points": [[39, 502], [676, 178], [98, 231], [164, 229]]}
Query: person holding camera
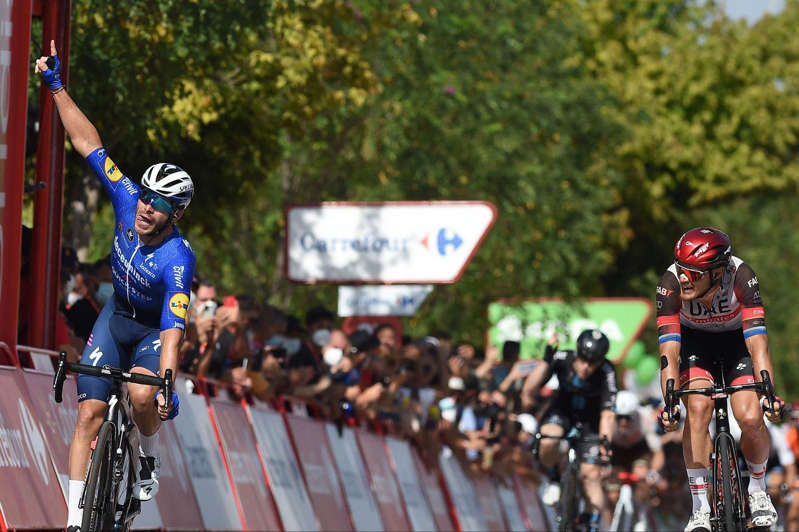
{"points": [[141, 326]]}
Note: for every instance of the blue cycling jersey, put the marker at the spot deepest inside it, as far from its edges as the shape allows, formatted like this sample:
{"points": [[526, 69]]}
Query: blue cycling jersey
{"points": [[152, 283]]}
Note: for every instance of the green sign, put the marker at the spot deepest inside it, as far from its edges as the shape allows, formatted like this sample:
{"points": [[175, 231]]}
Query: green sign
{"points": [[533, 322]]}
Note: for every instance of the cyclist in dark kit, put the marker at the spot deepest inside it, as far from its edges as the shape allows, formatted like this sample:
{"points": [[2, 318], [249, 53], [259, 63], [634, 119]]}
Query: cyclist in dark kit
{"points": [[586, 395]]}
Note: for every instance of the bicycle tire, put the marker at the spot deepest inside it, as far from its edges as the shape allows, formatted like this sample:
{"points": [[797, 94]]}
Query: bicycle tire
{"points": [[98, 512], [732, 503], [127, 502], [569, 497]]}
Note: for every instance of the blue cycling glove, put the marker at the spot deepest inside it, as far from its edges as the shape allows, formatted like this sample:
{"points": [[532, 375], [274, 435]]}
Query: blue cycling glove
{"points": [[175, 404], [52, 76]]}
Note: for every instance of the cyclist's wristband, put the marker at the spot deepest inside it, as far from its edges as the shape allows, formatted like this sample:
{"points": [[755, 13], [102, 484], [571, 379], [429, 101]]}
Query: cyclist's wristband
{"points": [[52, 76]]}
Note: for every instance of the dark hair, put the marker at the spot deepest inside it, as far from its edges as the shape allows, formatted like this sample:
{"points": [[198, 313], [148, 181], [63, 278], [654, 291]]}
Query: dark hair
{"points": [[363, 341], [317, 314], [510, 351], [382, 326]]}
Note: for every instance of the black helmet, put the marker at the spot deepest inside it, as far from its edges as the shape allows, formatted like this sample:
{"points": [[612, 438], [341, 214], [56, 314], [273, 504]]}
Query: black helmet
{"points": [[592, 345]]}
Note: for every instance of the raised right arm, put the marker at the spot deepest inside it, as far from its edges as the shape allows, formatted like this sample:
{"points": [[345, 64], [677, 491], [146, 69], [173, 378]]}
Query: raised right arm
{"points": [[81, 131]]}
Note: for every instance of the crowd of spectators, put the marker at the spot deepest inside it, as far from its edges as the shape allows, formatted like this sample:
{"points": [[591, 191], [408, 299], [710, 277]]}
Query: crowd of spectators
{"points": [[432, 390]]}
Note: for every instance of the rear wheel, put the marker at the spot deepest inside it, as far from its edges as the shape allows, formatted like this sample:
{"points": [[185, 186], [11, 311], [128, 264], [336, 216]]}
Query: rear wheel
{"points": [[731, 510], [98, 508]]}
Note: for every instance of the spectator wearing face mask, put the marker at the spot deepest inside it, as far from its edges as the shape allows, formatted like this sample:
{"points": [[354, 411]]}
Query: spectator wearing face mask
{"points": [[318, 322], [80, 306], [105, 284]]}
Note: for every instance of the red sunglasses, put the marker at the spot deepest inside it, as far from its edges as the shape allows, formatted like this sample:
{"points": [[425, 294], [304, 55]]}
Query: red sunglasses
{"points": [[692, 274]]}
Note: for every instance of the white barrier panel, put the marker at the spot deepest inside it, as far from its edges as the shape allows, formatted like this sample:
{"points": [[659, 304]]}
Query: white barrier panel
{"points": [[467, 507], [285, 480], [487, 495], [207, 472], [415, 502], [365, 515], [531, 506], [510, 506]]}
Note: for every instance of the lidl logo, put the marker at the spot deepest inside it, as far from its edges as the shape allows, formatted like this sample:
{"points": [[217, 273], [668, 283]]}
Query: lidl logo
{"points": [[111, 171], [179, 305]]}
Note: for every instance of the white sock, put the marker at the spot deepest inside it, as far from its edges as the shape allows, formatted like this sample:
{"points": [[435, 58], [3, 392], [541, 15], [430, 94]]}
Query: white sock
{"points": [[148, 445], [697, 480], [75, 490], [757, 476]]}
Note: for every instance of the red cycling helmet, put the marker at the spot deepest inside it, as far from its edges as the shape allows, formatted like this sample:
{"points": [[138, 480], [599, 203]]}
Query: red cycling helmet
{"points": [[702, 249]]}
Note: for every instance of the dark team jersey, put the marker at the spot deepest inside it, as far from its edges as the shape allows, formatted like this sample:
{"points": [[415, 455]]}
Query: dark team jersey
{"points": [[153, 282], [583, 398], [737, 305]]}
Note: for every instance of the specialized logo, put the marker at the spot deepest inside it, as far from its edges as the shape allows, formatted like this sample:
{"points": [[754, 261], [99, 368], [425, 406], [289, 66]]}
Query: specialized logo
{"points": [[95, 356], [179, 305], [111, 171], [129, 234], [740, 366], [34, 441]]}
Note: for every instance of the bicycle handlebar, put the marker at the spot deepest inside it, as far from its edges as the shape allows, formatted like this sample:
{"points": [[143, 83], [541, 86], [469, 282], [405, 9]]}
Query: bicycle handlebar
{"points": [[764, 387], [106, 371]]}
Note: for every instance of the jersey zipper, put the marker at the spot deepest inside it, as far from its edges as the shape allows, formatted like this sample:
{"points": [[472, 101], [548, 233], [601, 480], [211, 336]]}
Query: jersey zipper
{"points": [[127, 276]]}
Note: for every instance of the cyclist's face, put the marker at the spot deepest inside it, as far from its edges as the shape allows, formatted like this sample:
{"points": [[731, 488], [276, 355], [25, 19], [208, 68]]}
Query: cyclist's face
{"points": [[692, 284], [149, 219], [585, 369]]}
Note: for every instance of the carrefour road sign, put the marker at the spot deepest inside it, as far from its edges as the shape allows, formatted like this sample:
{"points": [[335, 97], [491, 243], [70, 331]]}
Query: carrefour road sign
{"points": [[425, 242], [533, 322]]}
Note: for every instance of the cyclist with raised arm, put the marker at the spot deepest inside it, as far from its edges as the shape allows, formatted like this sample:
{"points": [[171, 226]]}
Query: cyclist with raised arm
{"points": [[586, 395], [709, 308], [142, 324]]}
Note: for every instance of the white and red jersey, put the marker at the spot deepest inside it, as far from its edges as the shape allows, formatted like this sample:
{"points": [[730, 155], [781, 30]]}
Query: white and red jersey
{"points": [[736, 305]]}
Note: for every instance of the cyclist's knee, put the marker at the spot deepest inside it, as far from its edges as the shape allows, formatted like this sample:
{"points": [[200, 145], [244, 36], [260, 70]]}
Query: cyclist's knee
{"points": [[141, 397], [699, 410], [90, 415], [590, 472], [751, 419]]}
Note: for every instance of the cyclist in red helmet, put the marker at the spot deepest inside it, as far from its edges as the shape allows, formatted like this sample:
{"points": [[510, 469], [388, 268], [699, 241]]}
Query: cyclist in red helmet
{"points": [[709, 307]]}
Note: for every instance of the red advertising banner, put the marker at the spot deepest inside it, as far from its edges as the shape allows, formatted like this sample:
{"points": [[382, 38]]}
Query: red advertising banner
{"points": [[383, 482], [321, 475], [25, 464], [240, 448], [176, 502], [56, 420], [487, 496], [15, 24], [432, 489], [530, 504]]}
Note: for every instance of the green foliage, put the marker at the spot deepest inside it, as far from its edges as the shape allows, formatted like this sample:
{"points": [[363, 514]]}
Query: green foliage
{"points": [[601, 131]]}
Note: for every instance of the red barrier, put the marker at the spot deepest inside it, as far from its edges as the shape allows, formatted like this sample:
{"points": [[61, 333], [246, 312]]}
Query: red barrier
{"points": [[176, 502], [436, 498], [319, 470], [383, 482], [238, 441], [57, 420], [487, 496], [25, 463], [530, 504]]}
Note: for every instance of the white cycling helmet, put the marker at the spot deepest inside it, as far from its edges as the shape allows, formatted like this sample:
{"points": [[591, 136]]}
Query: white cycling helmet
{"points": [[170, 181], [626, 403]]}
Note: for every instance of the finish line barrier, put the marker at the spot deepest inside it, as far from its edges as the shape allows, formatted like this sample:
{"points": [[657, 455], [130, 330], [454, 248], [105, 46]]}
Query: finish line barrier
{"points": [[227, 465]]}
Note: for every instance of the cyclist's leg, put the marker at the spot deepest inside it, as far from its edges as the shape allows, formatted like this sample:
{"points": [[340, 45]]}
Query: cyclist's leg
{"points": [[755, 437], [697, 371], [100, 350], [591, 478], [146, 360]]}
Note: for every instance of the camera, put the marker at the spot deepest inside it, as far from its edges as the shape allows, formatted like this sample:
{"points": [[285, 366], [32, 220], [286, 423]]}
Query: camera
{"points": [[208, 309]]}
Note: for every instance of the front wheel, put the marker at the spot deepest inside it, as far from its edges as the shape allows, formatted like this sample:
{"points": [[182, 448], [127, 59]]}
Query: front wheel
{"points": [[98, 511], [569, 497], [729, 496]]}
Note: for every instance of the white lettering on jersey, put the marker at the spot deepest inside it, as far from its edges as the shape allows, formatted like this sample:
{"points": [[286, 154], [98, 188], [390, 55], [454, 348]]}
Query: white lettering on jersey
{"points": [[724, 313]]}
